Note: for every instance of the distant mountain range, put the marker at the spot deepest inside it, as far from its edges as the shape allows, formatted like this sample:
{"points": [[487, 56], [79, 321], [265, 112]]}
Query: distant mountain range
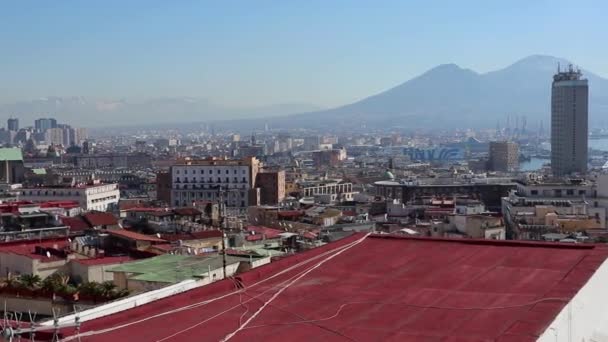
{"points": [[450, 96], [445, 96], [80, 111]]}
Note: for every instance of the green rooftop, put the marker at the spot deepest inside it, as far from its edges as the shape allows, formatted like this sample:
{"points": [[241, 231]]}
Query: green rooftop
{"points": [[39, 172], [170, 268], [11, 154]]}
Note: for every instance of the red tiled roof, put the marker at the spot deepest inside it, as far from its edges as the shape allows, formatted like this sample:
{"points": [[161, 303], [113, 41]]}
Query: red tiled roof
{"points": [[187, 211], [96, 219], [259, 233], [27, 248], [60, 204], [144, 209], [382, 289], [76, 223], [104, 261], [290, 213], [127, 234], [205, 234]]}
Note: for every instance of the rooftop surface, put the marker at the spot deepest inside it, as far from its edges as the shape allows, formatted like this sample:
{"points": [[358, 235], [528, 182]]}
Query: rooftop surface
{"points": [[378, 288], [173, 268], [10, 154]]}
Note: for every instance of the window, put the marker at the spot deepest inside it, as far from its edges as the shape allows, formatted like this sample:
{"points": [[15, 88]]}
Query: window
{"points": [[581, 192], [218, 171], [569, 192], [177, 171], [227, 179], [534, 192], [186, 172], [227, 171], [210, 171], [235, 171]]}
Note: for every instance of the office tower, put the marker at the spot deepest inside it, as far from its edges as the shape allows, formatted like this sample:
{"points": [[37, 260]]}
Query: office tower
{"points": [[13, 124], [42, 124], [569, 122], [504, 156]]}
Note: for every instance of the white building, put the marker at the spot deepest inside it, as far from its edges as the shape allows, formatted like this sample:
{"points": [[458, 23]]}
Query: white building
{"points": [[201, 180], [101, 197]]}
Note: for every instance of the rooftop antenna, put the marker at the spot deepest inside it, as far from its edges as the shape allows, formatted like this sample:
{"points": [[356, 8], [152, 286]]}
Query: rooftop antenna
{"points": [[559, 67]]}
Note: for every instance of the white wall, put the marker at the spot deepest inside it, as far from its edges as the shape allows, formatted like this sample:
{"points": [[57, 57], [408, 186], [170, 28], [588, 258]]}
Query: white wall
{"points": [[585, 318]]}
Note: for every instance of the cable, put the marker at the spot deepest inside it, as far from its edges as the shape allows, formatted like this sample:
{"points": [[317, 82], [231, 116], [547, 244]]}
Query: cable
{"points": [[339, 250], [565, 300], [205, 302], [310, 321], [232, 334]]}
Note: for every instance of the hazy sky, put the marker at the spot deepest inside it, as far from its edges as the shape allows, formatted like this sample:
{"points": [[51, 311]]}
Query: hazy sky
{"points": [[237, 53]]}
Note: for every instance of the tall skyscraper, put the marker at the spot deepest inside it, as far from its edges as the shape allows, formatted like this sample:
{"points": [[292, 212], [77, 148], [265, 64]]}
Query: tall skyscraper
{"points": [[43, 124], [569, 122], [13, 124]]}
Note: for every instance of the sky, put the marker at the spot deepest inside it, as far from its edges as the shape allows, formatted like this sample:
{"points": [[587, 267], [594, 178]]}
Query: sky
{"points": [[252, 53]]}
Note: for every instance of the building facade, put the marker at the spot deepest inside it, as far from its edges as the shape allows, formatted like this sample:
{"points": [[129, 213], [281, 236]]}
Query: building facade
{"points": [[197, 180], [12, 124], [272, 187], [569, 123], [101, 197], [504, 156]]}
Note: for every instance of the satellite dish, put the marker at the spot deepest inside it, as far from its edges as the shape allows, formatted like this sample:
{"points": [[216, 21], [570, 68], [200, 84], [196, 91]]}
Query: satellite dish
{"points": [[189, 250], [48, 254], [69, 240], [158, 235]]}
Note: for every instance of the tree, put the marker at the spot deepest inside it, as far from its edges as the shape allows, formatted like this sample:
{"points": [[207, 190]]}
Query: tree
{"points": [[56, 283], [11, 282], [30, 281], [108, 289]]}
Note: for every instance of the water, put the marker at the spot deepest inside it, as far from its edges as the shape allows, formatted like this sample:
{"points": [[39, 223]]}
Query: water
{"points": [[535, 164], [599, 144]]}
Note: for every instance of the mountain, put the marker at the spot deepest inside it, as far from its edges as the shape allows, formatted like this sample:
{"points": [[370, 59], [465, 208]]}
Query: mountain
{"points": [[450, 96], [446, 96], [80, 111]]}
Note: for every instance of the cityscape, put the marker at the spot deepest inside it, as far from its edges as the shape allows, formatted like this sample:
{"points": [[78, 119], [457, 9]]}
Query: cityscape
{"points": [[456, 206]]}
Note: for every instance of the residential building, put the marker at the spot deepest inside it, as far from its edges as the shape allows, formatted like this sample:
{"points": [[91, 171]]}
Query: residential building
{"points": [[504, 156], [540, 206], [328, 158], [569, 122], [54, 136], [11, 165], [101, 197], [196, 180], [272, 187]]}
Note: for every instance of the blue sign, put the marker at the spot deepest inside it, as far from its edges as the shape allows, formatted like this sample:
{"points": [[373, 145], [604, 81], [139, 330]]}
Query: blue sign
{"points": [[435, 154]]}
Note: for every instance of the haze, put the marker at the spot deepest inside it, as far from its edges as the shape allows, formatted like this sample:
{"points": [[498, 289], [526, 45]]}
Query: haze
{"points": [[258, 53]]}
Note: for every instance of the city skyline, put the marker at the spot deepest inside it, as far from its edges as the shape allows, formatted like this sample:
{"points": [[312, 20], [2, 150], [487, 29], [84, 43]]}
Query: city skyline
{"points": [[259, 54]]}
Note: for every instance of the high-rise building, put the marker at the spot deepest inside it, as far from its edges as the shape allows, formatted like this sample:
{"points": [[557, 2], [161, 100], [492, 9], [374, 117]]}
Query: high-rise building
{"points": [[54, 136], [504, 156], [12, 124], [42, 124], [569, 122]]}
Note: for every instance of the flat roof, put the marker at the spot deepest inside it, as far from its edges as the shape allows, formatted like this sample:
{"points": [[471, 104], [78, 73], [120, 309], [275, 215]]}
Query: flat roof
{"points": [[381, 288], [170, 268]]}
